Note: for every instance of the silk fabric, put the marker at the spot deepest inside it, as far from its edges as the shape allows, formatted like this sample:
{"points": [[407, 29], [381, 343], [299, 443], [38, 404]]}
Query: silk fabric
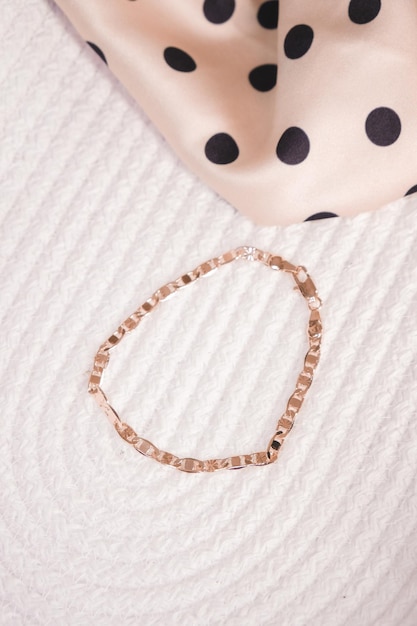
{"points": [[291, 111]]}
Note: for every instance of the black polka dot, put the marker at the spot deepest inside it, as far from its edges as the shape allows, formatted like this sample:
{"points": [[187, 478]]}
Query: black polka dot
{"points": [[320, 216], [179, 60], [383, 126], [412, 190], [364, 11], [221, 149], [298, 41], [97, 51], [263, 77], [218, 11], [293, 147], [268, 14]]}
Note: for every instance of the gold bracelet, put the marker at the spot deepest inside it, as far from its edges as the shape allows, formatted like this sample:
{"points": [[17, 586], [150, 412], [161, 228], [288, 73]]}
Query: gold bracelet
{"points": [[303, 283]]}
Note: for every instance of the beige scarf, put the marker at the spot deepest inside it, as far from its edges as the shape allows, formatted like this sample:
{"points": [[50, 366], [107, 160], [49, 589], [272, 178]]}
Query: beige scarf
{"points": [[291, 111]]}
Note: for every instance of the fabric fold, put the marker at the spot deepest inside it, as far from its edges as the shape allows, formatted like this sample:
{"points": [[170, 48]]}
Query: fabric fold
{"points": [[290, 111]]}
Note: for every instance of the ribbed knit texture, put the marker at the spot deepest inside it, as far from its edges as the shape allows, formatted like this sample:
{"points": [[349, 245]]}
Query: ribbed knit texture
{"points": [[96, 213]]}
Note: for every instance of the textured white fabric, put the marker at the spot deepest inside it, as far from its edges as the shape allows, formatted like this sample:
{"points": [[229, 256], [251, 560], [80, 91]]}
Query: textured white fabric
{"points": [[96, 212]]}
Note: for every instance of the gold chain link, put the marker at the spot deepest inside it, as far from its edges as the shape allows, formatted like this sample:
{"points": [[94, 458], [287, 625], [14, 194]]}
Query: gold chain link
{"points": [[307, 289]]}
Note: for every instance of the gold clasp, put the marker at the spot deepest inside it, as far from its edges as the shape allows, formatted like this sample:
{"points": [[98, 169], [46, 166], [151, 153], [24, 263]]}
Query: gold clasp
{"points": [[307, 287]]}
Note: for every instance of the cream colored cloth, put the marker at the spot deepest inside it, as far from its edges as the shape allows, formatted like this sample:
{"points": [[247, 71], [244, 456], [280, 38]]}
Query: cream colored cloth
{"points": [[290, 111]]}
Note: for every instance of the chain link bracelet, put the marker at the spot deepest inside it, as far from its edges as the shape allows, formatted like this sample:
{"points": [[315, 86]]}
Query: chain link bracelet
{"points": [[303, 283]]}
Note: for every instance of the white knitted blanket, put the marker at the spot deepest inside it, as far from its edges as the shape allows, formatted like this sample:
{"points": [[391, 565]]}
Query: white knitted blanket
{"points": [[96, 213]]}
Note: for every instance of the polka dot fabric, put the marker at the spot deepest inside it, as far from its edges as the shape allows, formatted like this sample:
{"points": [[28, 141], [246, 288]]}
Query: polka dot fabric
{"points": [[292, 111]]}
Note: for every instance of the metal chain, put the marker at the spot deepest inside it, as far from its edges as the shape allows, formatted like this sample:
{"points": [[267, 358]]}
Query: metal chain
{"points": [[285, 423]]}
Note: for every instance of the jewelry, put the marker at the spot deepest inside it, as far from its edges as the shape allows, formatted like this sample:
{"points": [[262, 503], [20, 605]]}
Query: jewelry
{"points": [[303, 283]]}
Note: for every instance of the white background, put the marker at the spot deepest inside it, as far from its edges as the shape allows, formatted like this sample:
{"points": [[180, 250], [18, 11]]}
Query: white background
{"points": [[96, 213]]}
